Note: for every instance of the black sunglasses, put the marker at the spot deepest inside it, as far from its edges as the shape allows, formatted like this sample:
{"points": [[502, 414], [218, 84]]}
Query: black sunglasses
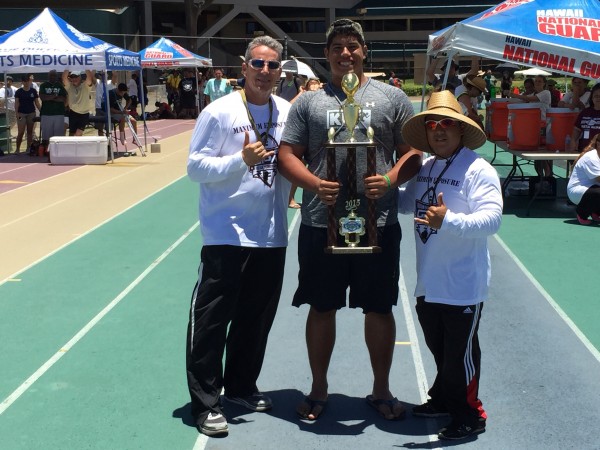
{"points": [[258, 64]]}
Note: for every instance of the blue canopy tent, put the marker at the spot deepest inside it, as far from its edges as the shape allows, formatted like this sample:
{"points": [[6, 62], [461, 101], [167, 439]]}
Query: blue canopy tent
{"points": [[559, 36], [47, 43], [166, 54]]}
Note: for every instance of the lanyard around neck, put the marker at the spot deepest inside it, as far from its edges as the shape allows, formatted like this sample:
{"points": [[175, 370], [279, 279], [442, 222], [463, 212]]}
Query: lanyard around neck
{"points": [[252, 123]]}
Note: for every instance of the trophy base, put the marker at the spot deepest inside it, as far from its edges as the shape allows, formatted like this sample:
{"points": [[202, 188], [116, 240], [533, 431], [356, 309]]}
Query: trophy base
{"points": [[352, 250]]}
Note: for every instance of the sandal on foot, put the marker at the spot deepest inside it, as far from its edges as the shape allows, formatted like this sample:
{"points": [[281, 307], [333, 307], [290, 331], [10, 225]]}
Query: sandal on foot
{"points": [[377, 403], [312, 404]]}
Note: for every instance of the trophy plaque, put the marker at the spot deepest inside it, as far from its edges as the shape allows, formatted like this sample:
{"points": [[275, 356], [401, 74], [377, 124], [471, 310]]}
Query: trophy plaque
{"points": [[351, 226]]}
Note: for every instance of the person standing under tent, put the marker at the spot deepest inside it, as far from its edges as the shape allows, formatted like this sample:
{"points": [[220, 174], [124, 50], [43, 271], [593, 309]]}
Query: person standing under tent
{"points": [[542, 96], [216, 87], [52, 114], [132, 92], [99, 104], [579, 95], [7, 99], [243, 219], [372, 279], [118, 112], [79, 93], [27, 100], [188, 95], [587, 124]]}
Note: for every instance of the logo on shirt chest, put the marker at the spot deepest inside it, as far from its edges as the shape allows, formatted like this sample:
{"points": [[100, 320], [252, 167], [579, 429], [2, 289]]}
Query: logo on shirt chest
{"points": [[335, 118]]}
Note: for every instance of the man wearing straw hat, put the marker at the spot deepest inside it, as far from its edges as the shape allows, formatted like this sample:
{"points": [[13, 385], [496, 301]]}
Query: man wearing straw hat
{"points": [[457, 203]]}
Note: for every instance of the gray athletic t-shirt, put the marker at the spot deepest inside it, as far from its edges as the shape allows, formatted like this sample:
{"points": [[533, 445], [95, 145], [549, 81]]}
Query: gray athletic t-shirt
{"points": [[385, 108]]}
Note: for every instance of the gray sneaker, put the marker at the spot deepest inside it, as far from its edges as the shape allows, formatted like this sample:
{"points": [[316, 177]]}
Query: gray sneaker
{"points": [[214, 425]]}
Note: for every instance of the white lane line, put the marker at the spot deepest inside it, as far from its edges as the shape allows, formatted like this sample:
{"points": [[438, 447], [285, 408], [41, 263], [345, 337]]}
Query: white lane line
{"points": [[415, 348], [202, 439], [8, 401], [584, 340]]}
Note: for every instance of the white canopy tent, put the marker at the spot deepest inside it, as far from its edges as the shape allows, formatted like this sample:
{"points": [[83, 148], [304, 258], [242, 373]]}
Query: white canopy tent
{"points": [[559, 36], [47, 43]]}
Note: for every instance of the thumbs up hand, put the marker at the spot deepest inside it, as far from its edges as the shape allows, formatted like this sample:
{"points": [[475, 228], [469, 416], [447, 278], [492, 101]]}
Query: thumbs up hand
{"points": [[434, 217]]}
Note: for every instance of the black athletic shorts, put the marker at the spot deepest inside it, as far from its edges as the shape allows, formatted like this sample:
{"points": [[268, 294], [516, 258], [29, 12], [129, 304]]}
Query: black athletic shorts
{"points": [[78, 121], [324, 278]]}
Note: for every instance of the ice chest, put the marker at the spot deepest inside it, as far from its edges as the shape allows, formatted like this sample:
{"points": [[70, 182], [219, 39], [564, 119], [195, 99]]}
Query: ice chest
{"points": [[78, 150]]}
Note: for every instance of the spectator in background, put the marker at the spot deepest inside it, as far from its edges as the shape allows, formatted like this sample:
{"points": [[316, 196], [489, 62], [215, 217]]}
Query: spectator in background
{"points": [[506, 83], [52, 114], [187, 96], [7, 99], [100, 103], [555, 93], [489, 82], [528, 87], [33, 83], [118, 111], [392, 79], [584, 184], [216, 87], [579, 95], [289, 86], [436, 80], [587, 124], [162, 111], [172, 86], [467, 95], [132, 91], [79, 93], [27, 100]]}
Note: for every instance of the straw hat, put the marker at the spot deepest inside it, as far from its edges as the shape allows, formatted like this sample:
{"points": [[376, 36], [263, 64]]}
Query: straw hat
{"points": [[441, 103], [478, 82]]}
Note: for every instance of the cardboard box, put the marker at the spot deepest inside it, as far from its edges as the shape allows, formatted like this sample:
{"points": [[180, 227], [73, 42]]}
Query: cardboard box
{"points": [[78, 150]]}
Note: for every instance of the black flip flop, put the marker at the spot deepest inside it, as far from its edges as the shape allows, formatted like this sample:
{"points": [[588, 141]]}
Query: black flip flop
{"points": [[312, 404], [376, 403]]}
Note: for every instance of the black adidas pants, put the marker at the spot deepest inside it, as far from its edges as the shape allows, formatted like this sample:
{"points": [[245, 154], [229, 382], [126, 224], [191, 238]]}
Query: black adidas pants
{"points": [[233, 307], [451, 336]]}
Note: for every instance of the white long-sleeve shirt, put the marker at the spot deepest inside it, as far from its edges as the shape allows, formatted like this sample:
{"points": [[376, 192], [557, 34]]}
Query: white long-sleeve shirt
{"points": [[453, 263], [239, 206]]}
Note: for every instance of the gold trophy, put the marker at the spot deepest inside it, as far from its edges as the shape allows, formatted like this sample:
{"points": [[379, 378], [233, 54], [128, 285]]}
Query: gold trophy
{"points": [[352, 226]]}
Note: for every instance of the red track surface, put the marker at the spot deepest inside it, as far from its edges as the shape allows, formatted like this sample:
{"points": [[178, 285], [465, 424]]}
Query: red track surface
{"points": [[20, 170]]}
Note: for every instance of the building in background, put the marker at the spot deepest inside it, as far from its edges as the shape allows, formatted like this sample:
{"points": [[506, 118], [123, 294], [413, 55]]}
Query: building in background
{"points": [[396, 35]]}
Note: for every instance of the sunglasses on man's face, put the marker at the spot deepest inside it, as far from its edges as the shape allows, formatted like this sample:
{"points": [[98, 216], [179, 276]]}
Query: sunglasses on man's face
{"points": [[444, 123], [258, 64]]}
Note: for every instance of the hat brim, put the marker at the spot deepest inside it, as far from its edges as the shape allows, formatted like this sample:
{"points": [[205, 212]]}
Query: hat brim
{"points": [[414, 132]]}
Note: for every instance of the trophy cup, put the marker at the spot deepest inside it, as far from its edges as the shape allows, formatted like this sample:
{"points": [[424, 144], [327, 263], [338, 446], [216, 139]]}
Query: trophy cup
{"points": [[352, 226]]}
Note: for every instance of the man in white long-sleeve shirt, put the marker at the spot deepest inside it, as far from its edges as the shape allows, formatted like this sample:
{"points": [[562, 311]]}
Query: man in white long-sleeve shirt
{"points": [[243, 219], [457, 202]]}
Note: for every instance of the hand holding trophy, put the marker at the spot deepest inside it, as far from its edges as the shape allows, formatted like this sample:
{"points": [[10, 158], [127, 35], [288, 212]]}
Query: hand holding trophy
{"points": [[352, 226]]}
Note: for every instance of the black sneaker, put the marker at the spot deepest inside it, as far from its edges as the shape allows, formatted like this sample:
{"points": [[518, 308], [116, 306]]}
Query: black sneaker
{"points": [[214, 425], [255, 402], [429, 410], [457, 431]]}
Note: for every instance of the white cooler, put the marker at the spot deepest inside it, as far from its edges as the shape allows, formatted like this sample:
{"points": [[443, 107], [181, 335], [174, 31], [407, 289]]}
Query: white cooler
{"points": [[78, 150]]}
